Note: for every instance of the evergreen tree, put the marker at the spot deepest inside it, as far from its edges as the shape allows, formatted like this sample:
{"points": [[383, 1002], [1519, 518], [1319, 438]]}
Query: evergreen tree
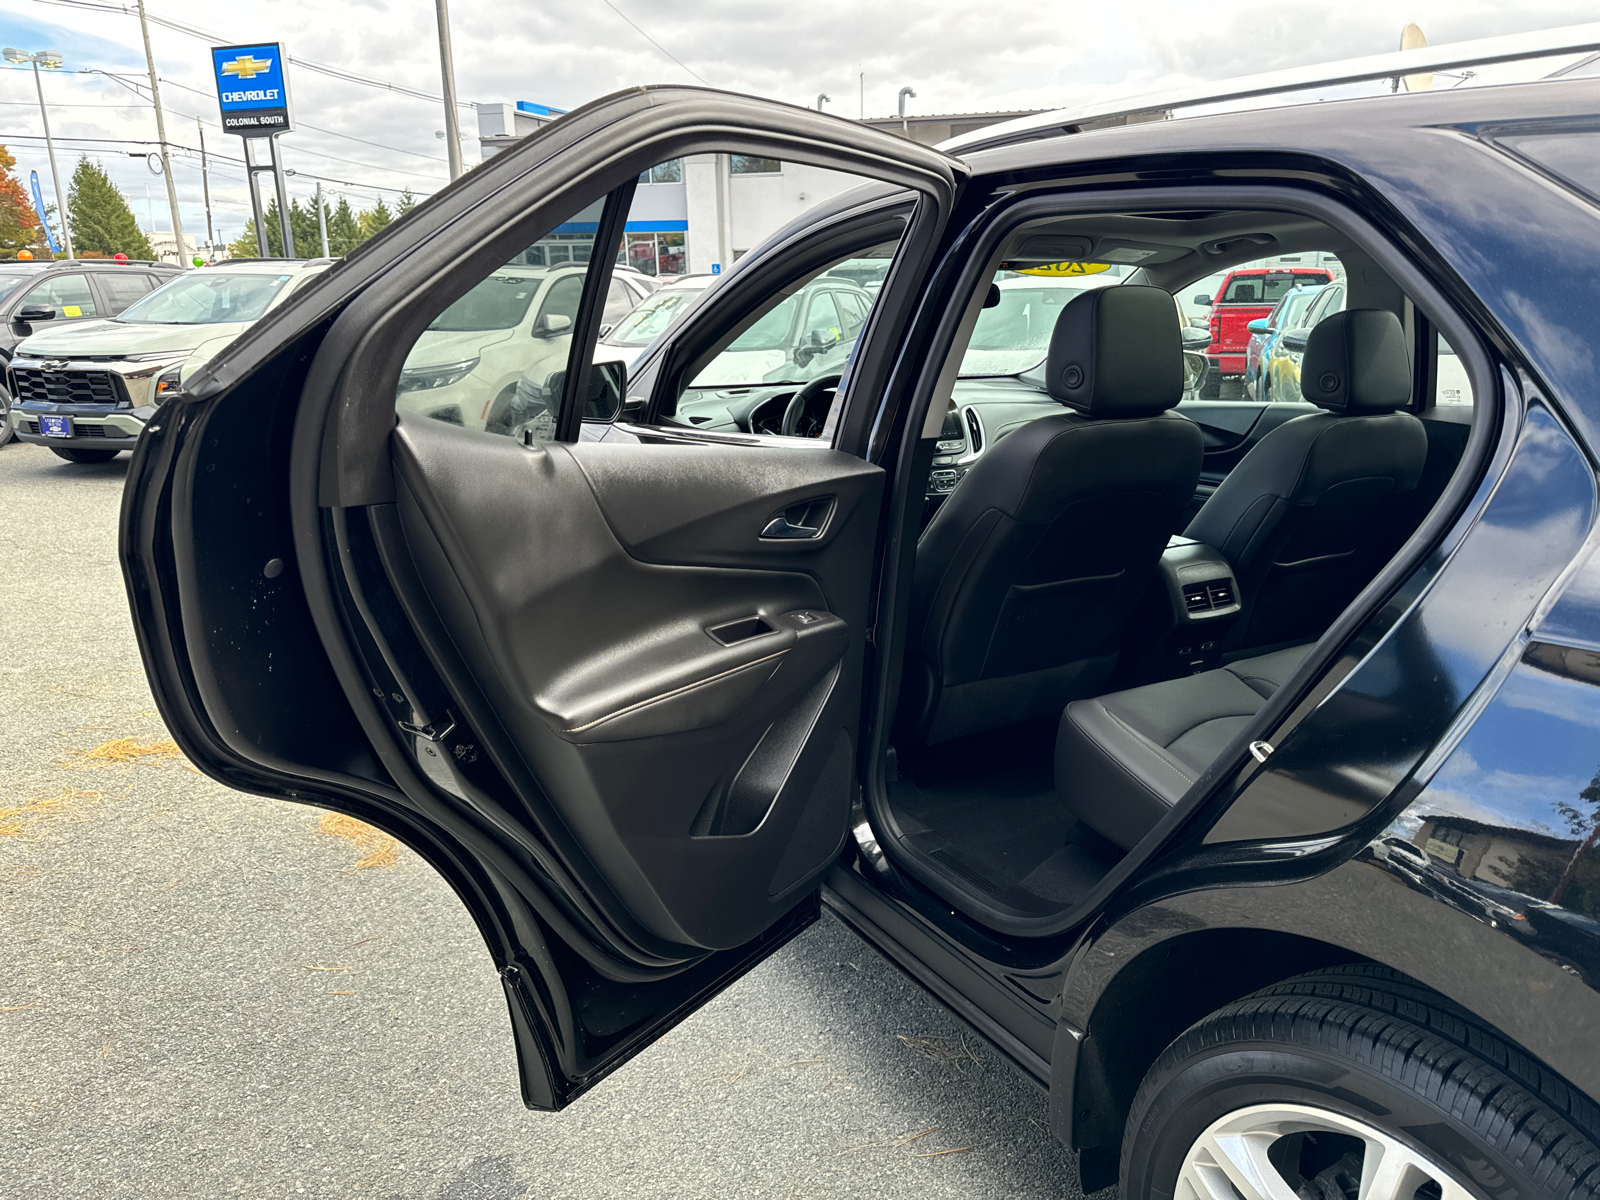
{"points": [[405, 204], [307, 237], [344, 230], [19, 224], [375, 218], [100, 217], [245, 246]]}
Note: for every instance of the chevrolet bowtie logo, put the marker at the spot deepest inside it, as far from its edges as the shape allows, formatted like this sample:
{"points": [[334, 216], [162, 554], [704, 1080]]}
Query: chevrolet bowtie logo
{"points": [[246, 67]]}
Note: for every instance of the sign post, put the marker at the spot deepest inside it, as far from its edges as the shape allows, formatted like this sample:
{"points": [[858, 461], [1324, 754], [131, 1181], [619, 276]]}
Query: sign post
{"points": [[253, 93]]}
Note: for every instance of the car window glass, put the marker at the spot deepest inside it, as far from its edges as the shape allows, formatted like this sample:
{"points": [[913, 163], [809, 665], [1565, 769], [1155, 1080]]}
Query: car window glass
{"points": [[852, 311], [10, 281], [122, 290], [495, 359], [1450, 384], [619, 300], [1013, 335], [655, 312], [69, 295], [824, 326], [208, 298]]}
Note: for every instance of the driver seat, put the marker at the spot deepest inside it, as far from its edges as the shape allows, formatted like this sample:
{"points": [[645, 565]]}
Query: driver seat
{"points": [[1027, 577]]}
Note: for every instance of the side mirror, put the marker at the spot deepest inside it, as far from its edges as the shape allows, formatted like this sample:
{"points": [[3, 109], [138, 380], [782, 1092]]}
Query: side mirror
{"points": [[35, 312], [604, 330], [549, 325], [608, 384], [1259, 325], [1195, 367], [1204, 299], [1195, 339], [992, 300], [803, 354]]}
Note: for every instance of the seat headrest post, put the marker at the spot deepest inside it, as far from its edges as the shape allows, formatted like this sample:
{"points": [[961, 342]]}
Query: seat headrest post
{"points": [[1116, 352], [1356, 362]]}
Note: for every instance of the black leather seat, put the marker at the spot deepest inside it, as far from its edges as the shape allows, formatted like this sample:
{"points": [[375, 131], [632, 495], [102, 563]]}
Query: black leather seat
{"points": [[1027, 575], [1123, 760], [1319, 504]]}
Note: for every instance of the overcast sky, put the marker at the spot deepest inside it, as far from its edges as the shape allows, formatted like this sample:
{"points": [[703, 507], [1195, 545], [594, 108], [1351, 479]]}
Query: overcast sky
{"points": [[959, 56]]}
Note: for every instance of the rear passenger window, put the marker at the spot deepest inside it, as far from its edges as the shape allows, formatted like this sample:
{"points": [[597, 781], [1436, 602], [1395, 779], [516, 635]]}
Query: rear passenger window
{"points": [[122, 290], [1450, 384]]}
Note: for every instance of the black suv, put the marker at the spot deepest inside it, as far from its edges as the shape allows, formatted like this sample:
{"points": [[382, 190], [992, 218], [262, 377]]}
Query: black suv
{"points": [[1230, 766], [62, 292]]}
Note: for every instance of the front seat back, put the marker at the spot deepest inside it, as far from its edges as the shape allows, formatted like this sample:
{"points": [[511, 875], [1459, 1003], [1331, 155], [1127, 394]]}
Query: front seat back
{"points": [[1027, 576], [1321, 503]]}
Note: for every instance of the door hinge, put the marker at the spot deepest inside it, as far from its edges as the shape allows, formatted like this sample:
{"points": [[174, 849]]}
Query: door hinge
{"points": [[1261, 751]]}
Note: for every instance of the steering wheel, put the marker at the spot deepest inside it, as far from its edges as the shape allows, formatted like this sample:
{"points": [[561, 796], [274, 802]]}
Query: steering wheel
{"points": [[796, 410]]}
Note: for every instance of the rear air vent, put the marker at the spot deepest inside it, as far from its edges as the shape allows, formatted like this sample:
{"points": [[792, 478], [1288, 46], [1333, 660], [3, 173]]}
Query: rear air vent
{"points": [[1212, 594]]}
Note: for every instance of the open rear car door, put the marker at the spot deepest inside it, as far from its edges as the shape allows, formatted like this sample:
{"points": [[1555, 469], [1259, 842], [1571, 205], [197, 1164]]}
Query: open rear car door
{"points": [[610, 691]]}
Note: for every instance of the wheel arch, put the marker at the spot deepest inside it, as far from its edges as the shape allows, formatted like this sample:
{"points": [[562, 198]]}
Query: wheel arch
{"points": [[1145, 1005]]}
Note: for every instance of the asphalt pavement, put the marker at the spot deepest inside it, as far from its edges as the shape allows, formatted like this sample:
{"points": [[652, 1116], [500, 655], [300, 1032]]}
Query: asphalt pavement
{"points": [[204, 993]]}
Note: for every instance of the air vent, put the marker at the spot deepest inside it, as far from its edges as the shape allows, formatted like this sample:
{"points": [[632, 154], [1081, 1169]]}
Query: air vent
{"points": [[1195, 597], [1221, 593], [974, 432]]}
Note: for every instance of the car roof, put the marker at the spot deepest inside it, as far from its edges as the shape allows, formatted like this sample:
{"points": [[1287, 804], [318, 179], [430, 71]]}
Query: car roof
{"points": [[265, 266]]}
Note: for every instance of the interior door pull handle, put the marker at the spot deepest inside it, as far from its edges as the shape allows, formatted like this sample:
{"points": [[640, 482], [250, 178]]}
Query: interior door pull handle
{"points": [[779, 527], [804, 520]]}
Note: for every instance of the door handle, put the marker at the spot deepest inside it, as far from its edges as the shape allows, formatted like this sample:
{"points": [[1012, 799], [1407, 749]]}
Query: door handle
{"points": [[806, 519]]}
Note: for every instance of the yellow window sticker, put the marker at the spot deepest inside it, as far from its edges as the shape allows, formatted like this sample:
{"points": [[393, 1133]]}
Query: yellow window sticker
{"points": [[72, 310], [1065, 268]]}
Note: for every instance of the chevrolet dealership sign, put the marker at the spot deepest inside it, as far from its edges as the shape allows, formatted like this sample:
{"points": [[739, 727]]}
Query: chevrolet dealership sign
{"points": [[252, 89]]}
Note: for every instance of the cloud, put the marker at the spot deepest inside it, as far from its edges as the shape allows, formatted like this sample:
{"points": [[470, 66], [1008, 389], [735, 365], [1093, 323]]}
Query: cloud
{"points": [[958, 56]]}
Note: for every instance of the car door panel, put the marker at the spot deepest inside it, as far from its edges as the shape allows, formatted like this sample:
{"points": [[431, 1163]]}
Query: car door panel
{"points": [[657, 742]]}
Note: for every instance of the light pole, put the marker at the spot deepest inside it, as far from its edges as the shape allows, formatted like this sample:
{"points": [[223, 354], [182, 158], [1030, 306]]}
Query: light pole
{"points": [[447, 69], [904, 92], [823, 98], [50, 60], [161, 135]]}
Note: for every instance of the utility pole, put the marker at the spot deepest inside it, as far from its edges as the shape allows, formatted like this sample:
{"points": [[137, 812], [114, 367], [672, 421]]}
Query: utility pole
{"points": [[823, 98], [452, 131], [161, 136], [863, 113], [322, 223], [205, 184]]}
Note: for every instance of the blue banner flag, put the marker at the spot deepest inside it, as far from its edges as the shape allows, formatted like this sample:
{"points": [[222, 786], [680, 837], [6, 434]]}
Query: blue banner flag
{"points": [[38, 204]]}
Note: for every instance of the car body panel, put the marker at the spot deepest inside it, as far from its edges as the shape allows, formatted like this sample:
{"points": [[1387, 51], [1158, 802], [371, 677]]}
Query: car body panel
{"points": [[1303, 844]]}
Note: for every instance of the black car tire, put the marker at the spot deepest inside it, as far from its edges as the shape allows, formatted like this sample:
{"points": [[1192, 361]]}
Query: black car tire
{"points": [[1365, 1044], [6, 432], [85, 456]]}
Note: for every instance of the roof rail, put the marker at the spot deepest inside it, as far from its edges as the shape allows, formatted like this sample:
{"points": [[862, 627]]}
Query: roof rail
{"points": [[1570, 39]]}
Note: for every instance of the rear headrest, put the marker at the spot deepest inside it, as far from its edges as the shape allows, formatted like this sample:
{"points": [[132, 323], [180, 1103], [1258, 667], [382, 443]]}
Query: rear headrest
{"points": [[1116, 352], [1356, 362]]}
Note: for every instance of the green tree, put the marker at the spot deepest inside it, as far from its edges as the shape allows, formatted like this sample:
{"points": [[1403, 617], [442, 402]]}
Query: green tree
{"points": [[303, 223], [405, 204], [375, 218], [100, 217], [19, 224], [344, 230], [245, 246]]}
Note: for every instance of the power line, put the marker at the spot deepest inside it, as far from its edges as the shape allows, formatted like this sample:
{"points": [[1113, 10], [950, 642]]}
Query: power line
{"points": [[614, 9], [206, 35]]}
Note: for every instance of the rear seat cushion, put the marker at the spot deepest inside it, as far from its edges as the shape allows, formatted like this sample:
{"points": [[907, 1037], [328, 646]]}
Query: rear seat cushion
{"points": [[1124, 759]]}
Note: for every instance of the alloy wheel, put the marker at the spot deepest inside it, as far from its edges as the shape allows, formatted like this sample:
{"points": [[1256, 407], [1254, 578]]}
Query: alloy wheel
{"points": [[1298, 1152]]}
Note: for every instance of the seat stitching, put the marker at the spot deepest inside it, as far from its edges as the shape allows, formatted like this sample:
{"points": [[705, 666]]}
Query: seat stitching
{"points": [[1153, 744]]}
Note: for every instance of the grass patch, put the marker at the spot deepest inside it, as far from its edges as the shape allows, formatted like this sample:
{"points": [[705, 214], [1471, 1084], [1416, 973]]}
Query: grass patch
{"points": [[378, 848], [130, 749], [14, 822]]}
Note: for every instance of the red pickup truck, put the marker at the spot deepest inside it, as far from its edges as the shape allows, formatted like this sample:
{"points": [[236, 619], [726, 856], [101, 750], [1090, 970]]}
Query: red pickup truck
{"points": [[1244, 295]]}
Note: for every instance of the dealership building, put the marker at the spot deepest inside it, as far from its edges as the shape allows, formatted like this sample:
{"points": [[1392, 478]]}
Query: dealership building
{"points": [[701, 213]]}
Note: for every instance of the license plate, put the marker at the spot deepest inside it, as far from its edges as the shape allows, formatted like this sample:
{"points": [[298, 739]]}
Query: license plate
{"points": [[55, 426]]}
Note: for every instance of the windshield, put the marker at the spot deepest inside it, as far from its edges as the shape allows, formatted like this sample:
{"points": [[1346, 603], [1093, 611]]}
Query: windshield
{"points": [[653, 314], [771, 331], [207, 298], [499, 302], [10, 282], [1294, 307], [1015, 334]]}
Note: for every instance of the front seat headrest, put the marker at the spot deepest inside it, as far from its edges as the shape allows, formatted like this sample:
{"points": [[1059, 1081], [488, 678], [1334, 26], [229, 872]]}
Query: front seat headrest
{"points": [[1116, 352], [1356, 362]]}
